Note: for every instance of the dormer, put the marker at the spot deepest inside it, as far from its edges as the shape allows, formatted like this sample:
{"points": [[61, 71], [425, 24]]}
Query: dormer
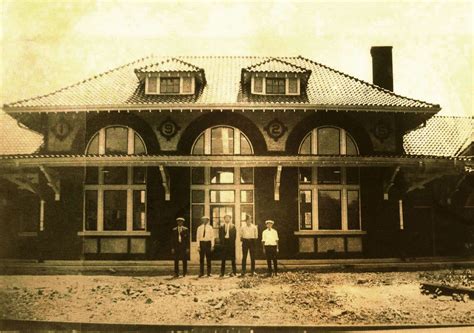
{"points": [[171, 77], [275, 77]]}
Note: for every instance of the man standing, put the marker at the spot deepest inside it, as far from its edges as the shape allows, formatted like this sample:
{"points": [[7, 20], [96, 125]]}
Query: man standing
{"points": [[205, 240], [180, 246], [270, 247], [249, 235], [227, 235]]}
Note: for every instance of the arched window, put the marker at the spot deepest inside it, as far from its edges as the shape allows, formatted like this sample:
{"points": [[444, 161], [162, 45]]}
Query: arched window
{"points": [[115, 197], [218, 191], [329, 196]]}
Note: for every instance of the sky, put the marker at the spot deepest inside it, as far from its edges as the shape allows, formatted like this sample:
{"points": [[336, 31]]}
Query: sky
{"points": [[47, 45]]}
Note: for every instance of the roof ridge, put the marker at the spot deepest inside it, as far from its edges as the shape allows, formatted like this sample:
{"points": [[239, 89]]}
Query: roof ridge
{"points": [[365, 82], [167, 60], [276, 59], [80, 82]]}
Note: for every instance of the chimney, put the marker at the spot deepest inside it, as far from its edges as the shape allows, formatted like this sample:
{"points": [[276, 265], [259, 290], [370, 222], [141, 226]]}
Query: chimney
{"points": [[382, 72]]}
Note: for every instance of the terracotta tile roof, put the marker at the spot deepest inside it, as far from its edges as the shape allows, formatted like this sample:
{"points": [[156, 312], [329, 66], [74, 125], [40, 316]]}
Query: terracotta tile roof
{"points": [[16, 139], [120, 88], [276, 65], [169, 65], [441, 136]]}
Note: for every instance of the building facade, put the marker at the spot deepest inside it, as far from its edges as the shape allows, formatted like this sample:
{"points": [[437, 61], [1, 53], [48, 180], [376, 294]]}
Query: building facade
{"points": [[288, 139]]}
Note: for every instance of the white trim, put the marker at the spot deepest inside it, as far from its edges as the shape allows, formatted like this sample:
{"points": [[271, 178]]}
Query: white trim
{"points": [[181, 82], [330, 232], [400, 212], [298, 85], [41, 219], [130, 141]]}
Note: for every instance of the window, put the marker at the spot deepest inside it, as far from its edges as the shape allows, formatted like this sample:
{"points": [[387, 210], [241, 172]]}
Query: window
{"points": [[178, 85], [115, 197], [275, 86], [329, 196], [217, 191]]}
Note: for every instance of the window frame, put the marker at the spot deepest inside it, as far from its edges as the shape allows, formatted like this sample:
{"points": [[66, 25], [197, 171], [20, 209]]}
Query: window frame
{"points": [[264, 88], [207, 142], [315, 187], [181, 84]]}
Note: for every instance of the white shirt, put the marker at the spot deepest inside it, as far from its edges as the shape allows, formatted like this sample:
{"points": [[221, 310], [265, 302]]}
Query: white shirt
{"points": [[269, 237], [249, 232], [209, 237]]}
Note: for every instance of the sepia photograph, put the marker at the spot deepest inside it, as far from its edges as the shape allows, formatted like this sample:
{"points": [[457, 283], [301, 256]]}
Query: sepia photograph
{"points": [[237, 166]]}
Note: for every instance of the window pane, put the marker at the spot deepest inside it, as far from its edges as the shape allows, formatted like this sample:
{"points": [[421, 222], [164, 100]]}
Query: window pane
{"points": [[139, 146], [92, 175], [115, 175], [91, 210], [246, 175], [116, 140], [258, 84], [222, 141], [222, 196], [293, 86], [328, 141], [306, 221], [246, 196], [305, 148], [139, 175], [169, 85], [196, 212], [275, 86], [329, 210], [198, 148], [219, 212], [244, 211], [305, 175], [197, 175], [94, 145], [245, 148], [352, 176], [197, 196], [152, 84], [351, 148], [353, 221], [139, 212], [329, 175], [222, 175], [187, 85], [115, 210]]}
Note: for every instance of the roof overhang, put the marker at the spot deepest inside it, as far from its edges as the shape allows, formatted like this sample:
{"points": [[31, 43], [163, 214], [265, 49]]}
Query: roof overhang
{"points": [[422, 162]]}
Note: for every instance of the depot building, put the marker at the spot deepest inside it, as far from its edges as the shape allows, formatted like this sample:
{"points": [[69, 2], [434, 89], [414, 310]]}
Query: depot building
{"points": [[318, 151]]}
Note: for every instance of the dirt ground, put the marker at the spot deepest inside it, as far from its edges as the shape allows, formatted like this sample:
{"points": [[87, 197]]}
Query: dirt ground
{"points": [[292, 298]]}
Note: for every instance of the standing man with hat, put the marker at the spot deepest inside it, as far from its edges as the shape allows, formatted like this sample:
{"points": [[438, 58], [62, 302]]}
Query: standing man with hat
{"points": [[180, 246], [270, 247], [227, 235], [248, 236], [205, 240]]}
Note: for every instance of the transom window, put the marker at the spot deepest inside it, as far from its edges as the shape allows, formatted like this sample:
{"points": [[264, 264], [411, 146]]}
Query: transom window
{"points": [[329, 196], [218, 191], [115, 196]]}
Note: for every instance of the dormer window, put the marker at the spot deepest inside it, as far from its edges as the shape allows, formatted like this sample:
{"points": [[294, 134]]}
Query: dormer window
{"points": [[275, 86], [275, 77], [171, 77]]}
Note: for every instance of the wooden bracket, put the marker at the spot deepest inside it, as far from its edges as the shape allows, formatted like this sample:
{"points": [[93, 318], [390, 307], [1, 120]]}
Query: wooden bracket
{"points": [[389, 185], [24, 181], [53, 181], [166, 182], [277, 183]]}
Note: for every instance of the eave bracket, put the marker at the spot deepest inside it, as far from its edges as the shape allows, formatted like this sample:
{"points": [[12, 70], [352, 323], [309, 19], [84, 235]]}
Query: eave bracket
{"points": [[277, 183], [53, 181], [166, 182]]}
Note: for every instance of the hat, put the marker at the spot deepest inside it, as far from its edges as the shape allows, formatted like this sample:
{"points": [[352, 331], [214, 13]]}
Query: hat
{"points": [[205, 217], [180, 219], [269, 221]]}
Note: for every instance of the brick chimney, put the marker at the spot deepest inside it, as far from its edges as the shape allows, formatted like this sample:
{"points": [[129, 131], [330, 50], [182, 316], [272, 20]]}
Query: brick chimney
{"points": [[382, 71]]}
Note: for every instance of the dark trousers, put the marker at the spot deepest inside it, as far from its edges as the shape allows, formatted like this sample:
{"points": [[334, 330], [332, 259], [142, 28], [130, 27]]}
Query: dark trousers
{"points": [[248, 245], [271, 254], [180, 255], [205, 251], [228, 252]]}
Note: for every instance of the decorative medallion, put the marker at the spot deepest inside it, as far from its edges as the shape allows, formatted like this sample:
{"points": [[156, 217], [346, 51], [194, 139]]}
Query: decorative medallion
{"points": [[61, 128], [275, 129], [168, 128], [382, 130]]}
